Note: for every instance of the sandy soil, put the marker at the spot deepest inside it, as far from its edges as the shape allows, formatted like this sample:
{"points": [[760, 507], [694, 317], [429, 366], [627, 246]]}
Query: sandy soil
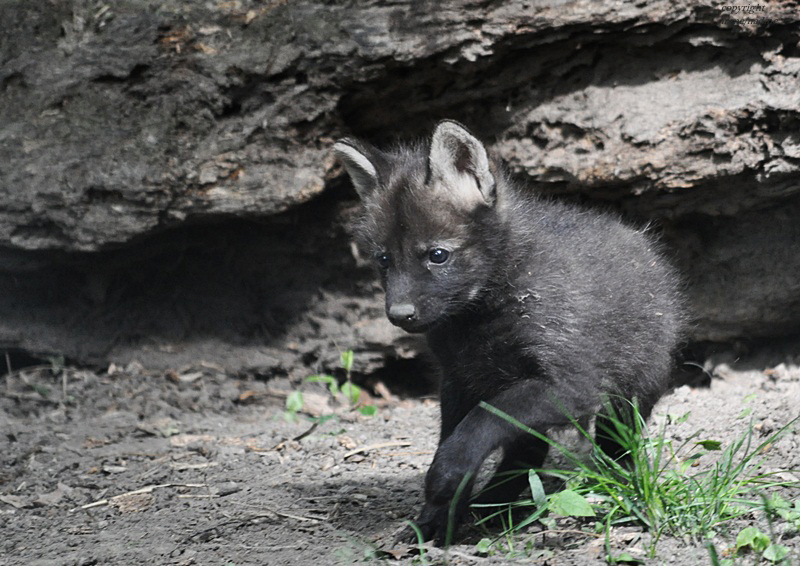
{"points": [[195, 467]]}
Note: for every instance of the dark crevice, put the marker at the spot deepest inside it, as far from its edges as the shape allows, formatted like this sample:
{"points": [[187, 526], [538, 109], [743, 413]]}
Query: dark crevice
{"points": [[136, 76], [12, 80], [238, 282], [247, 92], [13, 361], [744, 354], [405, 377], [38, 231]]}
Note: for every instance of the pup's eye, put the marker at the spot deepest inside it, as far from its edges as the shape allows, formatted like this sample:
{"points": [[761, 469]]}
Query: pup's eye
{"points": [[438, 255], [383, 260]]}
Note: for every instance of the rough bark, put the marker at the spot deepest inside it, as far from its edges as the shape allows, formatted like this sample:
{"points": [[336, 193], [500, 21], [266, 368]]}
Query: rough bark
{"points": [[167, 191]]}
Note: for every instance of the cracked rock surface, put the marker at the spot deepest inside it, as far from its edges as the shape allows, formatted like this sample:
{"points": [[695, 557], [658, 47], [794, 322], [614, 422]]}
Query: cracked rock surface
{"points": [[167, 191]]}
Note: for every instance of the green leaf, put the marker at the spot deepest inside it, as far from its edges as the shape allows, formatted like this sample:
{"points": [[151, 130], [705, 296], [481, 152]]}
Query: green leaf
{"points": [[347, 360], [168, 429], [368, 410], [776, 502], [745, 537], [687, 463], [56, 364], [40, 389], [710, 444], [626, 558], [483, 546], [569, 503], [322, 419], [537, 489], [294, 401], [678, 419], [775, 552], [753, 538], [329, 380], [351, 392]]}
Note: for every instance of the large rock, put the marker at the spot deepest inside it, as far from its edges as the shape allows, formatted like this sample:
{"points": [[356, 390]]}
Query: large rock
{"points": [[164, 165]]}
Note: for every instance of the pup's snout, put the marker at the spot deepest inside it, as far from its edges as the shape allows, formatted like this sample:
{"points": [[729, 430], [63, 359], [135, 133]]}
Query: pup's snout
{"points": [[401, 313]]}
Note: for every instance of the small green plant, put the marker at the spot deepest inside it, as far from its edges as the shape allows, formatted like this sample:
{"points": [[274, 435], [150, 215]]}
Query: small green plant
{"points": [[777, 506], [565, 503], [57, 364], [484, 546], [622, 558], [775, 553], [750, 539], [569, 503], [748, 400], [350, 391], [423, 556], [294, 403], [659, 486]]}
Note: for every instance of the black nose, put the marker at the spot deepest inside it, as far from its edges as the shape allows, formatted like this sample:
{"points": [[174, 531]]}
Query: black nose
{"points": [[402, 312]]}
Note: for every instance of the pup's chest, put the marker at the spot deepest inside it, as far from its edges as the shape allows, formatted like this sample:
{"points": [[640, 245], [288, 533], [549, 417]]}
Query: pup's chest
{"points": [[486, 352]]}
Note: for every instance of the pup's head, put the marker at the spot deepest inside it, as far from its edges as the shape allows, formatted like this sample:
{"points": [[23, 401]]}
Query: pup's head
{"points": [[428, 215]]}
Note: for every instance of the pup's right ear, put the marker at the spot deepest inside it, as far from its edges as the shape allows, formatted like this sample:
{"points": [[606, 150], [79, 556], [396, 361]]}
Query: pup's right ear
{"points": [[361, 168]]}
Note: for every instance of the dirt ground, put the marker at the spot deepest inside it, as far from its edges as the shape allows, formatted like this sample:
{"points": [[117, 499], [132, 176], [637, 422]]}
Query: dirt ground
{"points": [[196, 467]]}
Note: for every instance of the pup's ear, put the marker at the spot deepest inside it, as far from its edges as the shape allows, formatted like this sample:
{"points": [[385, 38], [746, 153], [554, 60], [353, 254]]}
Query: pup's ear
{"points": [[356, 159], [460, 161]]}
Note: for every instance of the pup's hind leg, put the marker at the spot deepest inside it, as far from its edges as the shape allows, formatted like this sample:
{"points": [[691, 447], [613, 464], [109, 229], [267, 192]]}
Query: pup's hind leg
{"points": [[622, 411]]}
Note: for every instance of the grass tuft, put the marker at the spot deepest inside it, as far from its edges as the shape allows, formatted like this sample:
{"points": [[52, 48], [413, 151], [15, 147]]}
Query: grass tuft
{"points": [[658, 484]]}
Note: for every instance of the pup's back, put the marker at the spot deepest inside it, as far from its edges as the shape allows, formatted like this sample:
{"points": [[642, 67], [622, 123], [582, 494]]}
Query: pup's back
{"points": [[588, 289]]}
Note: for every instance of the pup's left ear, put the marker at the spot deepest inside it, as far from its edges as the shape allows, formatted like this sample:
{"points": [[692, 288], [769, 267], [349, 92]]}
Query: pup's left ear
{"points": [[459, 160], [358, 159]]}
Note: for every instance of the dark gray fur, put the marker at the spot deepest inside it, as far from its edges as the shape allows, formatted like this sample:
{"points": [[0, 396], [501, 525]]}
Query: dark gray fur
{"points": [[543, 310]]}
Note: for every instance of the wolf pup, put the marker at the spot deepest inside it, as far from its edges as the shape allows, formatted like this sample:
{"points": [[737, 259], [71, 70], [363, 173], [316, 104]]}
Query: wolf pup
{"points": [[542, 310]]}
